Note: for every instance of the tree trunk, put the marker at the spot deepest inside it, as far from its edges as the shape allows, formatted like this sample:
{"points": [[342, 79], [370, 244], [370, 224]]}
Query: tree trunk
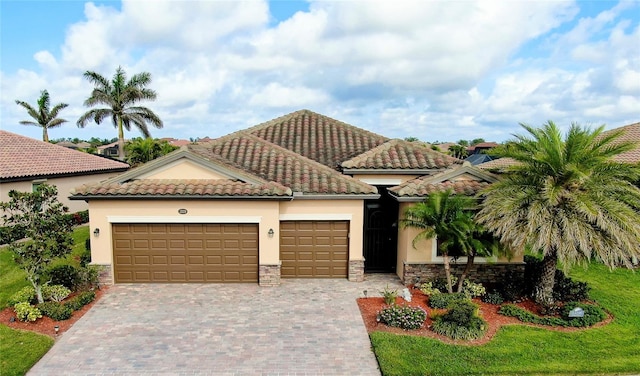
{"points": [[447, 271], [466, 271], [543, 293], [38, 288], [45, 135], [120, 140]]}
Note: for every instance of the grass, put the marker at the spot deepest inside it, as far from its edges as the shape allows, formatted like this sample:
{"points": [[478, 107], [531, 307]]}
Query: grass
{"points": [[520, 350], [20, 350]]}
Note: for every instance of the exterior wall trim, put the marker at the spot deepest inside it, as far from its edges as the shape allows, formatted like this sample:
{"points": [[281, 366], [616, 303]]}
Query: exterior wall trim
{"points": [[316, 217], [381, 181], [183, 219]]}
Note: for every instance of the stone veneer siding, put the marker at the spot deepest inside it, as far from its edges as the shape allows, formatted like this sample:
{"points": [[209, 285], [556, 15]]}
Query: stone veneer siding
{"points": [[356, 270], [105, 274], [482, 273], [269, 275]]}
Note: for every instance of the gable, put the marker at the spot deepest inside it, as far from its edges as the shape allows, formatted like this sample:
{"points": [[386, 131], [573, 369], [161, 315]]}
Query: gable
{"points": [[183, 169]]}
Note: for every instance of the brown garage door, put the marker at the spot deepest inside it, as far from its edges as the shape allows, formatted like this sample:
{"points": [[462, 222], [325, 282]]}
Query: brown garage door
{"points": [[314, 249], [185, 252]]}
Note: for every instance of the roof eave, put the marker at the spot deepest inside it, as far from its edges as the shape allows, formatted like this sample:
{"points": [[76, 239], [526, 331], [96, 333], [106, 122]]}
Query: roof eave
{"points": [[62, 175], [386, 171], [320, 196], [177, 197]]}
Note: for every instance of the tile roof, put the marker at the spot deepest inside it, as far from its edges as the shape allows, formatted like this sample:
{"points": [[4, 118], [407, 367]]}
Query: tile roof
{"points": [[182, 188], [401, 154], [497, 164], [630, 133], [317, 137], [27, 158], [274, 163], [421, 187]]}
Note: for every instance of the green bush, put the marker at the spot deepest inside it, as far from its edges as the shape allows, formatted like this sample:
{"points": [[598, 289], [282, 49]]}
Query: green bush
{"points": [[592, 314], [85, 256], [493, 297], [441, 283], [10, 234], [445, 300], [87, 277], [65, 275], [473, 289], [513, 287], [27, 312], [389, 296], [428, 289], [26, 294], [566, 289], [460, 322], [404, 317], [57, 311], [57, 293], [86, 297]]}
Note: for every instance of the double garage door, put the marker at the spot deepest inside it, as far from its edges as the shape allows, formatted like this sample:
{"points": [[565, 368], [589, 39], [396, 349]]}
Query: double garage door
{"points": [[185, 252], [203, 252]]}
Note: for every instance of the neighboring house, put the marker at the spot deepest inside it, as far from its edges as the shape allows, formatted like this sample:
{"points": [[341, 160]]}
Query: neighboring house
{"points": [[175, 142], [108, 150], [26, 163], [300, 196], [67, 144], [478, 153], [630, 133]]}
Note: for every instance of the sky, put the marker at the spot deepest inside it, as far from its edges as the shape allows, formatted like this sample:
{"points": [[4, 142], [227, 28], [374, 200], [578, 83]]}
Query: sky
{"points": [[435, 70]]}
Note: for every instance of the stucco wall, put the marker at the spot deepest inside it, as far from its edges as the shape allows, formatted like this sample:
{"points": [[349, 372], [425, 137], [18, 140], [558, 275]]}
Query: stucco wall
{"points": [[104, 213], [182, 169], [65, 185], [351, 210], [384, 179]]}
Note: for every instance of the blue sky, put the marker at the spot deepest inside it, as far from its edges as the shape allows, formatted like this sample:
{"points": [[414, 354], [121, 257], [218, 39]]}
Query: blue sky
{"points": [[434, 70]]}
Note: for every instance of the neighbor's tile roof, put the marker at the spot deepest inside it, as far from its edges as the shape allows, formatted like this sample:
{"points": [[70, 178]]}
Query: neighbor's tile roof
{"points": [[182, 188], [274, 163], [630, 133], [317, 137], [401, 154], [497, 164], [421, 187], [28, 158]]}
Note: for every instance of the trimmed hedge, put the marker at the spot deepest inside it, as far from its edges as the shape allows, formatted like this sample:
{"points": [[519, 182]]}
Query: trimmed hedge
{"points": [[460, 322], [445, 300], [57, 311]]}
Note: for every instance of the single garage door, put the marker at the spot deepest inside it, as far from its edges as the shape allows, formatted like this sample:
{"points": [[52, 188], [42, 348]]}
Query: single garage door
{"points": [[314, 249], [185, 252]]}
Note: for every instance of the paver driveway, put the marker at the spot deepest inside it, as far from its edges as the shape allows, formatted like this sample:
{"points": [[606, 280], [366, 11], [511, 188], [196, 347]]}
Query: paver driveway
{"points": [[303, 327]]}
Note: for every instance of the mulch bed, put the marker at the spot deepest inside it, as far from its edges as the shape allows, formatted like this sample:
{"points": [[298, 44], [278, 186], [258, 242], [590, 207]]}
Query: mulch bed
{"points": [[46, 325], [369, 308]]}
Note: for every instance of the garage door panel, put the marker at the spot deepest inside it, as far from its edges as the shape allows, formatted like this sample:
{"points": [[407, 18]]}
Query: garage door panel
{"points": [[185, 252], [314, 249]]}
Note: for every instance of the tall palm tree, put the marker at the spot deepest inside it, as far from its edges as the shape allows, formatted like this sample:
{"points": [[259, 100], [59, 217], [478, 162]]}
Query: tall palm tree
{"points": [[446, 216], [120, 96], [45, 117], [142, 150], [567, 199]]}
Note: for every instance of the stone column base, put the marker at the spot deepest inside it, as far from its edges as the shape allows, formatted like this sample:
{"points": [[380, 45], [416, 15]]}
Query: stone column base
{"points": [[269, 275], [105, 274], [356, 270]]}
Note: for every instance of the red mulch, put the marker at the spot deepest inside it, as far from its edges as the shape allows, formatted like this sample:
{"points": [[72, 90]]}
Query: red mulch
{"points": [[369, 308], [46, 325]]}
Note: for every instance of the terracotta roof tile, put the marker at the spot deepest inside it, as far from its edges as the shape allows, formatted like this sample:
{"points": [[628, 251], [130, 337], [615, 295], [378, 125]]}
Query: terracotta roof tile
{"points": [[182, 188], [421, 187], [400, 154], [317, 137], [24, 157], [274, 163], [630, 133]]}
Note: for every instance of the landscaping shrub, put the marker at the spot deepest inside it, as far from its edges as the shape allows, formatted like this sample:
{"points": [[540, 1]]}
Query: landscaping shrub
{"points": [[27, 312], [460, 322], [473, 289], [57, 311], [389, 296], [427, 288], [65, 275], [10, 234], [566, 289], [85, 256], [77, 218], [57, 293], [592, 315], [441, 283], [404, 317], [26, 294], [513, 287], [87, 277], [493, 297], [86, 297], [445, 300]]}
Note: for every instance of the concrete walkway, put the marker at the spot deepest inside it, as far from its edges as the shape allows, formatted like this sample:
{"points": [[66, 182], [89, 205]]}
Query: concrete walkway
{"points": [[303, 327]]}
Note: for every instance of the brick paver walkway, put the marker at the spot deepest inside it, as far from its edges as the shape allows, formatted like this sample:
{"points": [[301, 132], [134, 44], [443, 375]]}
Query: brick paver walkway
{"points": [[303, 327]]}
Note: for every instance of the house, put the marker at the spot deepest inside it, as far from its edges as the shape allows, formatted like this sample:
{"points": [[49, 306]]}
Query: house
{"points": [[478, 153], [300, 196], [26, 163], [108, 150]]}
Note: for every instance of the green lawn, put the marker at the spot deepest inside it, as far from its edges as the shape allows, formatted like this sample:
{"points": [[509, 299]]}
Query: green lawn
{"points": [[519, 350], [20, 350]]}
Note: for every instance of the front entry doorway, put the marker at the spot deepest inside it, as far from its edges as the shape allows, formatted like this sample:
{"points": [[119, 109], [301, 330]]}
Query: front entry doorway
{"points": [[380, 233]]}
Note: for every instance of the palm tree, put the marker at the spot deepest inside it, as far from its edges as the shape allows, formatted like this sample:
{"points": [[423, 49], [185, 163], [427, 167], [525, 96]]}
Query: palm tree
{"points": [[120, 97], [567, 199], [142, 150], [44, 117], [478, 243], [446, 216]]}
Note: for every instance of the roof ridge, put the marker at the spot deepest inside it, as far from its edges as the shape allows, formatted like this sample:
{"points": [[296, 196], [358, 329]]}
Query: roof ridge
{"points": [[388, 145]]}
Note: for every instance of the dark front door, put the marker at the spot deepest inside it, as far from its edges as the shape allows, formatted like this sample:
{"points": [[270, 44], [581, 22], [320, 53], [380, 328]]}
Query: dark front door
{"points": [[380, 233]]}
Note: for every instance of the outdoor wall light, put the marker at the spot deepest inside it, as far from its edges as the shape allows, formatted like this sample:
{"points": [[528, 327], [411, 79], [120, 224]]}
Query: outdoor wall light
{"points": [[96, 232], [270, 233]]}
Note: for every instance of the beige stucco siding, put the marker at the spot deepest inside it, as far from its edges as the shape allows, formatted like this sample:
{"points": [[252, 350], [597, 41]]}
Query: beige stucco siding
{"points": [[64, 185], [182, 169], [384, 179], [351, 210], [105, 212]]}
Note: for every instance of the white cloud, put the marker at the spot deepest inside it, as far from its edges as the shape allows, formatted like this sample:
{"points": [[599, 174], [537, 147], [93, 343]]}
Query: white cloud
{"points": [[278, 96]]}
